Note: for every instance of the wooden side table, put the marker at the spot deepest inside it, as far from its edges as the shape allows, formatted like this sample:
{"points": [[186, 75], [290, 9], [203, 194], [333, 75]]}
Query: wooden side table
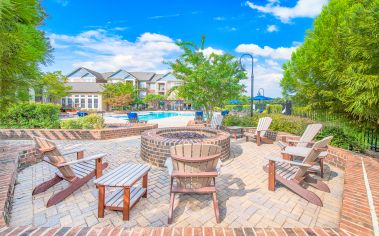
{"points": [[126, 196], [236, 131]]}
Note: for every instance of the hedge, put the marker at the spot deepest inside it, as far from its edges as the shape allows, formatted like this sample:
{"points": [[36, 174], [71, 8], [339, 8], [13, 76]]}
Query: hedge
{"points": [[91, 121], [342, 138], [31, 115]]}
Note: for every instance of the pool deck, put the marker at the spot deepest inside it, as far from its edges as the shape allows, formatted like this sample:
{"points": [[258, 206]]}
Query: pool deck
{"points": [[242, 191]]}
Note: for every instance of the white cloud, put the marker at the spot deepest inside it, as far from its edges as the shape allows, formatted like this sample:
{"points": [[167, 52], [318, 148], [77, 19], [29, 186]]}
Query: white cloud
{"points": [[209, 50], [282, 53], [272, 28], [303, 8], [102, 51]]}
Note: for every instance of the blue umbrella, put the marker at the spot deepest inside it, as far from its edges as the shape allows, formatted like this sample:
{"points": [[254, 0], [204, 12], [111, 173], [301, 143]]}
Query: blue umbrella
{"points": [[235, 101], [261, 98]]}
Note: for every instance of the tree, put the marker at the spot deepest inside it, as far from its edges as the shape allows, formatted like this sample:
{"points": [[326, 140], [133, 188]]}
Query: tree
{"points": [[337, 69], [153, 99], [119, 94], [23, 47], [52, 86], [209, 81]]}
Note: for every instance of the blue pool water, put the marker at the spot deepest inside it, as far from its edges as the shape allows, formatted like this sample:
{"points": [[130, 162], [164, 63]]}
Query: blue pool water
{"points": [[157, 115]]}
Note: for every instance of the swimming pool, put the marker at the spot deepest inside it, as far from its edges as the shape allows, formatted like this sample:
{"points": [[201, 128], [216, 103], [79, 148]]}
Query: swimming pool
{"points": [[157, 115]]}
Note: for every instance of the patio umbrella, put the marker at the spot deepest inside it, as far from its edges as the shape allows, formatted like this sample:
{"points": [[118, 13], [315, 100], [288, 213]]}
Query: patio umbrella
{"points": [[261, 98]]}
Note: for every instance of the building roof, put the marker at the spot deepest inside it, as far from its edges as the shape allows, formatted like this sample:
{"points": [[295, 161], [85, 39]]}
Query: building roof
{"points": [[156, 77], [143, 76], [107, 74], [86, 87]]}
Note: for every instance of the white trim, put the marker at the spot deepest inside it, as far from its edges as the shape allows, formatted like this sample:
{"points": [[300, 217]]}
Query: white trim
{"points": [[371, 205]]}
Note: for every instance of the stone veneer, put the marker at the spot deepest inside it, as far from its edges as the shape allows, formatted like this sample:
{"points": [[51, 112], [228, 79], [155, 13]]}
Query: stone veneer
{"points": [[77, 134], [155, 149]]}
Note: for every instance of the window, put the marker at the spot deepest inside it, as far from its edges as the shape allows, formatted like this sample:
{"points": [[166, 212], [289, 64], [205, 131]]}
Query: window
{"points": [[69, 102], [63, 101], [89, 101], [152, 86], [83, 101], [76, 104], [95, 101], [142, 84]]}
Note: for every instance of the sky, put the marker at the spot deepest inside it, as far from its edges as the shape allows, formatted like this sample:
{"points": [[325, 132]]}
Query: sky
{"points": [[140, 35]]}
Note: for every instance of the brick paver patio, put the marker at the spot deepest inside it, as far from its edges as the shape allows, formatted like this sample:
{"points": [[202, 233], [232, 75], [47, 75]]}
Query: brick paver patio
{"points": [[242, 190]]}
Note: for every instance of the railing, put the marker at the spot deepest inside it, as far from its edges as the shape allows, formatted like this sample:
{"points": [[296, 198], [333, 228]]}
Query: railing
{"points": [[368, 138]]}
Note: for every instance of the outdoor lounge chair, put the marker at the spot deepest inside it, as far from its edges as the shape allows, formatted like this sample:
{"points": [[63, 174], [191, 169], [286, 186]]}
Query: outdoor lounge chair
{"points": [[77, 172], [305, 140], [193, 168], [293, 174], [260, 133], [216, 121], [133, 118]]}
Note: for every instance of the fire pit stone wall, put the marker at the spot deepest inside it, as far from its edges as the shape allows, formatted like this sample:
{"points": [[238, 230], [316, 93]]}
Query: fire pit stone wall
{"points": [[156, 143]]}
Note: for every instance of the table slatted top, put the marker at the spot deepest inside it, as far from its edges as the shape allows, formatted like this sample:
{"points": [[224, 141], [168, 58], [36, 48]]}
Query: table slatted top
{"points": [[123, 176]]}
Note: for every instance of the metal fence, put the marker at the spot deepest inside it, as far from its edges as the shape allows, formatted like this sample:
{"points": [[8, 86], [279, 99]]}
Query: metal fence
{"points": [[368, 138]]}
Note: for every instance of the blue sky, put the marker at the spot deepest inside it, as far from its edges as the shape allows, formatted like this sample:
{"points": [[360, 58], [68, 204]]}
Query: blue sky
{"points": [[140, 35]]}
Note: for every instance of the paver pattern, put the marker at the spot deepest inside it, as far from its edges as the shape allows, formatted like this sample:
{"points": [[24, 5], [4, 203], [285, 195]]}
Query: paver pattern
{"points": [[242, 191]]}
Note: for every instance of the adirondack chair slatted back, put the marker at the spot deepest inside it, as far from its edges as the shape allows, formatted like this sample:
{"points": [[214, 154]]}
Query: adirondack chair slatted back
{"points": [[216, 121], [194, 158], [309, 133], [54, 156], [263, 125], [313, 154]]}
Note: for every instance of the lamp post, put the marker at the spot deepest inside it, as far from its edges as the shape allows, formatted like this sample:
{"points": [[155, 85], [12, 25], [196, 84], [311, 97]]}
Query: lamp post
{"points": [[251, 78]]}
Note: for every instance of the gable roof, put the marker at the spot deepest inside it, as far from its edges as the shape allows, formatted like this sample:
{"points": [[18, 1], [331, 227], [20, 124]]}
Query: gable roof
{"points": [[99, 76], [143, 76], [85, 87], [156, 77]]}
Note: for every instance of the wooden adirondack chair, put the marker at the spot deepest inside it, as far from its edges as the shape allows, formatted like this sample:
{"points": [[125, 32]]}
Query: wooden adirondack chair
{"points": [[305, 140], [194, 170], [77, 172], [299, 148], [216, 121], [259, 135], [292, 174]]}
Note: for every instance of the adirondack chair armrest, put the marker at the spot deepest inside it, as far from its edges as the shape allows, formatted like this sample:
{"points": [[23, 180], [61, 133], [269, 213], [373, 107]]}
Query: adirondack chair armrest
{"points": [[93, 157], [197, 174], [44, 150], [297, 141], [72, 151], [278, 159]]}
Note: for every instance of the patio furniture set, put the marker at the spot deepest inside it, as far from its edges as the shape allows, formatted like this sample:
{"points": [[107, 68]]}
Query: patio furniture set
{"points": [[192, 168]]}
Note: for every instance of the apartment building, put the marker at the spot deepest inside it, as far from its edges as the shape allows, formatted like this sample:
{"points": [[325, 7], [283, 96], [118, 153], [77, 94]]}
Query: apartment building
{"points": [[87, 86]]}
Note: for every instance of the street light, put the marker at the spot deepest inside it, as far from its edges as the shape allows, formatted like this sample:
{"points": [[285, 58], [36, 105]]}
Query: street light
{"points": [[252, 79]]}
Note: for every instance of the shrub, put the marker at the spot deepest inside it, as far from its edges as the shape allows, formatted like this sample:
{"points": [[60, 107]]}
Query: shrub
{"points": [[91, 121], [341, 138], [290, 124], [274, 108], [31, 115]]}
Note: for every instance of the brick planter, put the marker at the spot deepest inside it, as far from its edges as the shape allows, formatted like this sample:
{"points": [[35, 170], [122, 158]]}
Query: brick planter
{"points": [[77, 134], [155, 148]]}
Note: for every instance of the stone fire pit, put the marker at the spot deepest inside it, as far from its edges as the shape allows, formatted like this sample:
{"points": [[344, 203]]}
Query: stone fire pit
{"points": [[156, 143]]}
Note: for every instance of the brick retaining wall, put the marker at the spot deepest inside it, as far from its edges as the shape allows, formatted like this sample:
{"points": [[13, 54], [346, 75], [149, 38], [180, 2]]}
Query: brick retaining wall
{"points": [[11, 159], [76, 134]]}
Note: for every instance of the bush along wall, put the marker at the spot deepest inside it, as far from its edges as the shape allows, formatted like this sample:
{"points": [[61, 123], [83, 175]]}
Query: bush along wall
{"points": [[342, 137], [91, 121], [31, 115]]}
